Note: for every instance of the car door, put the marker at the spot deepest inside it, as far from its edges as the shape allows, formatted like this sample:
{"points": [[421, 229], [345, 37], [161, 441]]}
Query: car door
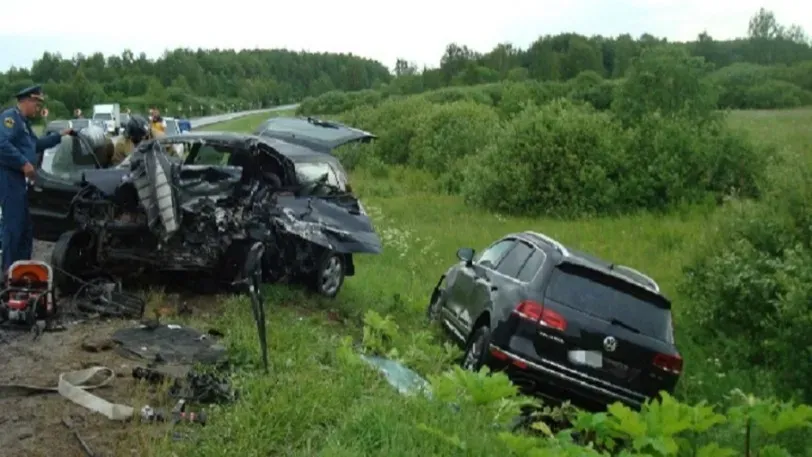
{"points": [[460, 296], [498, 285], [53, 188]]}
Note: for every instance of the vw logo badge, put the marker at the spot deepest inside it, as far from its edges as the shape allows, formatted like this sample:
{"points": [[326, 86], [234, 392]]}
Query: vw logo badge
{"points": [[610, 344]]}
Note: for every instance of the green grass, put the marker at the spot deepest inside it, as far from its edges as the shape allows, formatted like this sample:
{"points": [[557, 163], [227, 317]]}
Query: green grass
{"points": [[786, 129], [319, 402]]}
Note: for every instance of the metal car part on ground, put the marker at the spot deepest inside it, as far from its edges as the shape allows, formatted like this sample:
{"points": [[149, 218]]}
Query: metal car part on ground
{"points": [[562, 323], [202, 211]]}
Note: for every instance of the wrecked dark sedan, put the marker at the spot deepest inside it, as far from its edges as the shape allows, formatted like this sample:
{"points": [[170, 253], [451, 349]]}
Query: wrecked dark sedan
{"points": [[201, 211]]}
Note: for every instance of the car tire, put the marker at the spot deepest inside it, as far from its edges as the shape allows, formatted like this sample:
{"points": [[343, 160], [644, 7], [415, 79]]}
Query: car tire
{"points": [[435, 304], [477, 353], [69, 255], [328, 276]]}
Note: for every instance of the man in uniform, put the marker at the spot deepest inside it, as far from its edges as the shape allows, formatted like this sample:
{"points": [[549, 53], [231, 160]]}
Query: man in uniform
{"points": [[19, 147]]}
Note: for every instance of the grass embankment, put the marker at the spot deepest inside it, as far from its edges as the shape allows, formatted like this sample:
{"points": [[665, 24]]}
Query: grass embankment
{"points": [[318, 401]]}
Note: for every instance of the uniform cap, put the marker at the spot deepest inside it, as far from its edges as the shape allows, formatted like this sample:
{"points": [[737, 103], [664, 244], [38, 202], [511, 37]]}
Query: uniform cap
{"points": [[31, 92]]}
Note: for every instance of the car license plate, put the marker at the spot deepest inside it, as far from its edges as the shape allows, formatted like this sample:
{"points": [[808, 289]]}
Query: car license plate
{"points": [[592, 359]]}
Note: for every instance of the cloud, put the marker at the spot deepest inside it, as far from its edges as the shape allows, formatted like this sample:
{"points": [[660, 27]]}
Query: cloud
{"points": [[417, 30]]}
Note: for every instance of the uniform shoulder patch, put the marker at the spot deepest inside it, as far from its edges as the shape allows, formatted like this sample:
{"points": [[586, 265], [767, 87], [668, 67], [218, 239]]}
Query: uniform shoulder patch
{"points": [[8, 122]]}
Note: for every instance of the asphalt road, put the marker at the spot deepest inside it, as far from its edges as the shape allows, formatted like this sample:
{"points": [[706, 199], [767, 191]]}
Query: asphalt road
{"points": [[208, 120]]}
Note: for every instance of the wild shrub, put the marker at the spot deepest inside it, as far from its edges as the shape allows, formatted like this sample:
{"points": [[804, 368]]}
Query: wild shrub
{"points": [[335, 102], [774, 94], [674, 160], [448, 133], [752, 285], [395, 122], [590, 87], [558, 159], [668, 81], [459, 93], [751, 86]]}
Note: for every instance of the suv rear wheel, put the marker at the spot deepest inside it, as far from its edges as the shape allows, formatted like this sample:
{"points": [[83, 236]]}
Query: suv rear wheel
{"points": [[477, 349]]}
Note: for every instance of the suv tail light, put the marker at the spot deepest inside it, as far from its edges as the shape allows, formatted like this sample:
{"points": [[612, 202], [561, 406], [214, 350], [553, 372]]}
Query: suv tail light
{"points": [[668, 363], [533, 311]]}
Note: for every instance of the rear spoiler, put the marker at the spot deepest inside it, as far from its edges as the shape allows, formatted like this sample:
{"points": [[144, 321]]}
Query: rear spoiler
{"points": [[645, 285]]}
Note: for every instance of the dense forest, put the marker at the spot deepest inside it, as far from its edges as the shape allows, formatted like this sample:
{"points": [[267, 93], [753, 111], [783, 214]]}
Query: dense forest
{"points": [[775, 59]]}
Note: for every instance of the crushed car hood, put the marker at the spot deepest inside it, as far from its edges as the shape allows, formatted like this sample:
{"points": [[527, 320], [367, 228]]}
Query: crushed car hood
{"points": [[167, 192], [327, 223], [316, 134]]}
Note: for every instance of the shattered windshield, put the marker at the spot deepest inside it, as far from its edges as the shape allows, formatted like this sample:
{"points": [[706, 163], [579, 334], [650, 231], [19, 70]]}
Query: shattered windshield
{"points": [[309, 173]]}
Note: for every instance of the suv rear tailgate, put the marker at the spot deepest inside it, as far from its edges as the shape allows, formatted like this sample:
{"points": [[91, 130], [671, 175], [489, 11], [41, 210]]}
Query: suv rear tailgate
{"points": [[614, 330]]}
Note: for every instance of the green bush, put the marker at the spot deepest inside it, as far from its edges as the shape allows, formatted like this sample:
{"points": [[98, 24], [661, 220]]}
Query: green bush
{"points": [[558, 159], [668, 81], [335, 102], [476, 94], [750, 86], [447, 133], [752, 285], [674, 160], [565, 159], [774, 94], [396, 122]]}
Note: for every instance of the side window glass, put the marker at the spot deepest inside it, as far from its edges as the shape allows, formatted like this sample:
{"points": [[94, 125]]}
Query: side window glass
{"points": [[61, 162], [513, 261], [531, 266], [207, 155], [490, 257]]}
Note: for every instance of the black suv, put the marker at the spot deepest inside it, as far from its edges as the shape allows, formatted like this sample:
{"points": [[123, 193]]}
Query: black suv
{"points": [[562, 323]]}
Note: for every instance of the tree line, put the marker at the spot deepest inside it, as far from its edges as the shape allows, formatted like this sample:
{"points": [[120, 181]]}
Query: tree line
{"points": [[192, 82], [776, 58]]}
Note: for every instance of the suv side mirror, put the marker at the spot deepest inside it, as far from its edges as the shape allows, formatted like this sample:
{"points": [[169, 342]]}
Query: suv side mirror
{"points": [[466, 255]]}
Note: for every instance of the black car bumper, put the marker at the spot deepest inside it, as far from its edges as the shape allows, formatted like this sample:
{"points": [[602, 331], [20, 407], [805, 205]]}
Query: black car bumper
{"points": [[549, 378]]}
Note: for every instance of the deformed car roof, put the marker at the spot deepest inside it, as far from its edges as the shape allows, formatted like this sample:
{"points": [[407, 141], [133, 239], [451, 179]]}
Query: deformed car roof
{"points": [[292, 150], [316, 134]]}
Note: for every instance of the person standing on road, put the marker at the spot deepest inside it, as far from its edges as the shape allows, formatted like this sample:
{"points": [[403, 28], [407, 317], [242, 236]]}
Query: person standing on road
{"points": [[19, 147], [77, 114], [158, 122], [136, 131]]}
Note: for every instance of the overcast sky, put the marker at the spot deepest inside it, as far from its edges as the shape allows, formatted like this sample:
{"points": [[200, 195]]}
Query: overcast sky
{"points": [[417, 30]]}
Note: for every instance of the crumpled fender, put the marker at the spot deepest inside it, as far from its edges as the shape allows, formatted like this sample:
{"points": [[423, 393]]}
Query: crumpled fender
{"points": [[328, 224]]}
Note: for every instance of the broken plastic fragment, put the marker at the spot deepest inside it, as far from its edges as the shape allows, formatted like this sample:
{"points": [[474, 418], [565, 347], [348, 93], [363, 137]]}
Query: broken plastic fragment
{"points": [[406, 381]]}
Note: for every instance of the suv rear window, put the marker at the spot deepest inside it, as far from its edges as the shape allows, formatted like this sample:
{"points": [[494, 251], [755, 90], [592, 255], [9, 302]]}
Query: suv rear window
{"points": [[609, 298]]}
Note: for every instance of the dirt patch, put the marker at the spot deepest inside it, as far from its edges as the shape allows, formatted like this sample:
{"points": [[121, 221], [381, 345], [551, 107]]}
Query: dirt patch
{"points": [[32, 426]]}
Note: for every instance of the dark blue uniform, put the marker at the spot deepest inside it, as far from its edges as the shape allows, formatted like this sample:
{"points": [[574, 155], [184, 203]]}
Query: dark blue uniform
{"points": [[18, 146]]}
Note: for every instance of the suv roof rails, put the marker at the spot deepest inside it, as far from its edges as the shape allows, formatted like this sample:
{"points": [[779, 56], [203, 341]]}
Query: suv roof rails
{"points": [[557, 245], [653, 284]]}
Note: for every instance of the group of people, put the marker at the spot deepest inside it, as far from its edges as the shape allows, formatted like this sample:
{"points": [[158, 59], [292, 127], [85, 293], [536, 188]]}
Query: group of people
{"points": [[21, 151]]}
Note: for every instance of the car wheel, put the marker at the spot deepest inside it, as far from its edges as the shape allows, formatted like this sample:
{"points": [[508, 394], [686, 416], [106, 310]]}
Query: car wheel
{"points": [[477, 349], [435, 304], [329, 274], [69, 258]]}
